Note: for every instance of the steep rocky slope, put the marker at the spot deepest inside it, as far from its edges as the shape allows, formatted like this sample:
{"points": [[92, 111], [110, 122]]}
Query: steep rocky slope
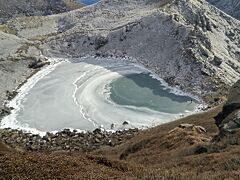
{"points": [[188, 43], [231, 7], [13, 71], [14, 8], [17, 52]]}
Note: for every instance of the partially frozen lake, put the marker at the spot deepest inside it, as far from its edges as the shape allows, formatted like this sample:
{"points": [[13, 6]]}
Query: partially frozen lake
{"points": [[92, 93]]}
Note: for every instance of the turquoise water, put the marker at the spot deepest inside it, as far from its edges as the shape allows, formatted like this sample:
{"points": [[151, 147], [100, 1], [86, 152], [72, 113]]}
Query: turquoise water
{"points": [[88, 2], [141, 90]]}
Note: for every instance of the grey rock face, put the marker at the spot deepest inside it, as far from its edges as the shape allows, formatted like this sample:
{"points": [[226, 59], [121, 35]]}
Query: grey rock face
{"points": [[188, 43], [231, 7], [229, 119], [232, 122], [234, 96], [17, 8]]}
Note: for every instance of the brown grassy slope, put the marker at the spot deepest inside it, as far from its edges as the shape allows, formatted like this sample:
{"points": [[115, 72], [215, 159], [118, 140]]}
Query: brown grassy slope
{"points": [[157, 153], [4, 148], [151, 139], [55, 166], [160, 153], [73, 4]]}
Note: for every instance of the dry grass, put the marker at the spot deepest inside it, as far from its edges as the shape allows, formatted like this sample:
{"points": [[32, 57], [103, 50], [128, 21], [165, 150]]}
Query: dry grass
{"points": [[55, 166], [72, 4], [163, 152], [4, 148], [43, 38], [4, 28], [28, 22], [151, 138]]}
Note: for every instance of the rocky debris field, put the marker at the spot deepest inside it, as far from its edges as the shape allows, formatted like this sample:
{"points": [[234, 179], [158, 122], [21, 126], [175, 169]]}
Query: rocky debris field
{"points": [[65, 140]]}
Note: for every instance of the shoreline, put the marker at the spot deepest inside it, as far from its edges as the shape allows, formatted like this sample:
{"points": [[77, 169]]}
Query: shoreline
{"points": [[21, 91], [66, 139], [15, 104], [71, 140]]}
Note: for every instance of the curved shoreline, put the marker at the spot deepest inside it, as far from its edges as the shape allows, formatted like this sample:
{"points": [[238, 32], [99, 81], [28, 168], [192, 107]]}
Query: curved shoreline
{"points": [[16, 102]]}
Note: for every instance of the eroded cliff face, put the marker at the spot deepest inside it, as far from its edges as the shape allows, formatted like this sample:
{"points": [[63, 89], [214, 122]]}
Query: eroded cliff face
{"points": [[231, 7]]}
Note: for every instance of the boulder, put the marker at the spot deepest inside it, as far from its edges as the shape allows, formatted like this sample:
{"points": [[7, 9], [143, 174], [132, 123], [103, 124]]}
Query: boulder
{"points": [[229, 119], [126, 122], [4, 112], [100, 42], [198, 129], [11, 95], [186, 126], [97, 131], [231, 123], [38, 63]]}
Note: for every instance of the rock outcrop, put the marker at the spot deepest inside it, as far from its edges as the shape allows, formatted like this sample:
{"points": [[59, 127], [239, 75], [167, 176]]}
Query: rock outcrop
{"points": [[229, 119]]}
